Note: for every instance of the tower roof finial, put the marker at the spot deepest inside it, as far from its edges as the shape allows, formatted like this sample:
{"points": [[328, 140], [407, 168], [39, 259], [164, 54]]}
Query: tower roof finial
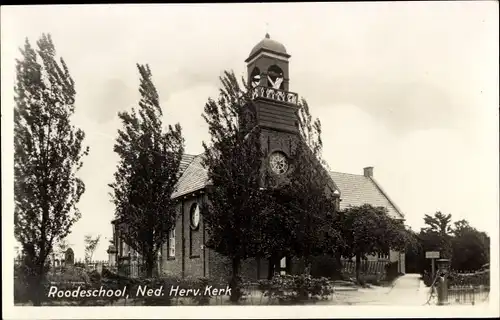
{"points": [[267, 30], [267, 35]]}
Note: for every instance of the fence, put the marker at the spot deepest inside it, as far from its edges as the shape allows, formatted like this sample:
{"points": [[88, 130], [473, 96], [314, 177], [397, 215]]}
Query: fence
{"points": [[468, 288], [59, 265], [368, 267], [97, 265], [134, 268]]}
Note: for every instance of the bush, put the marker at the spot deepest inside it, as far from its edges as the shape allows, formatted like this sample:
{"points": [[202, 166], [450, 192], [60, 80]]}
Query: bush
{"points": [[94, 277], [24, 278], [21, 290], [391, 271], [163, 300], [294, 289], [201, 284], [427, 279], [20, 285], [325, 266], [69, 275], [469, 279]]}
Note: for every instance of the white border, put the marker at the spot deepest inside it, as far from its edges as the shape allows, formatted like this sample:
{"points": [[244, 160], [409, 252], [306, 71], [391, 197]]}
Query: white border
{"points": [[10, 311]]}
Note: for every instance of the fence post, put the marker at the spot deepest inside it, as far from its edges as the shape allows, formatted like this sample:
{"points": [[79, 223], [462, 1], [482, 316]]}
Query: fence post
{"points": [[442, 288]]}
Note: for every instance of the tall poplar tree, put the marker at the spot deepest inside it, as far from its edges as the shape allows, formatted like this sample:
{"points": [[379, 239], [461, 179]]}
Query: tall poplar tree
{"points": [[305, 220], [233, 158], [147, 174], [48, 153], [310, 130]]}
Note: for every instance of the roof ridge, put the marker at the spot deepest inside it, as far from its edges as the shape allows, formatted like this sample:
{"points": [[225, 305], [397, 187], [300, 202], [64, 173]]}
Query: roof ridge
{"points": [[192, 164], [386, 196], [352, 174]]}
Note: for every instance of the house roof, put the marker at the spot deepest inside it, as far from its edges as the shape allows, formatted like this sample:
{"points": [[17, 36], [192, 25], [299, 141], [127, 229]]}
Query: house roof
{"points": [[357, 190]]}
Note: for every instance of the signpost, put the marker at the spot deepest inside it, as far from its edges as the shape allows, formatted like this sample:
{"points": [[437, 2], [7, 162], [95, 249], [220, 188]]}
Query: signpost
{"points": [[433, 255]]}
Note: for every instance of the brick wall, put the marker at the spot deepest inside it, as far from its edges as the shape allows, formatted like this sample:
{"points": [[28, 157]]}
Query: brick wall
{"points": [[190, 254], [172, 266]]}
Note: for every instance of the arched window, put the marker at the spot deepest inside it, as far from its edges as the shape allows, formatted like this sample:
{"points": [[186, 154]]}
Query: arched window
{"points": [[255, 77], [275, 77]]}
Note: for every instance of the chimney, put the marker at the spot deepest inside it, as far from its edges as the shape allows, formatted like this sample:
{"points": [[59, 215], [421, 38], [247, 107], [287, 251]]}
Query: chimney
{"points": [[368, 172]]}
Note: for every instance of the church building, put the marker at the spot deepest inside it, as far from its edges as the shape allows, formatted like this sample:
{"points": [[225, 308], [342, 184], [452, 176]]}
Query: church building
{"points": [[184, 254]]}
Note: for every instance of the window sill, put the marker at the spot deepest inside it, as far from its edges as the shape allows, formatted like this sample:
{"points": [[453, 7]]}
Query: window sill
{"points": [[170, 258]]}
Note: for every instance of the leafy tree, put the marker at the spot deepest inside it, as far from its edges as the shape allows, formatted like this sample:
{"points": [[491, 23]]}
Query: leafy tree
{"points": [[236, 207], [62, 246], [467, 247], [460, 227], [279, 221], [147, 174], [439, 223], [314, 182], [470, 247], [306, 223], [303, 222], [48, 154], [414, 256], [18, 253], [437, 233], [90, 246], [310, 130], [369, 230]]}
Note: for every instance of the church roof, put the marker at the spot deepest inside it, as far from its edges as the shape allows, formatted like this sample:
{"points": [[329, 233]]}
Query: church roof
{"points": [[268, 44], [355, 190], [194, 176], [185, 161]]}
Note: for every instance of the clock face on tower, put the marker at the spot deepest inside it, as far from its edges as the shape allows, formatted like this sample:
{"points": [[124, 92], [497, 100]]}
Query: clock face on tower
{"points": [[278, 163]]}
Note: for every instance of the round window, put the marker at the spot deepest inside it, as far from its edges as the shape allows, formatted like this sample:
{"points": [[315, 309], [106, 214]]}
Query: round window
{"points": [[195, 216]]}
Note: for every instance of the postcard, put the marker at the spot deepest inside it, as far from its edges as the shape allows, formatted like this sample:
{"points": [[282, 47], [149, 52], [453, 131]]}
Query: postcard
{"points": [[250, 160]]}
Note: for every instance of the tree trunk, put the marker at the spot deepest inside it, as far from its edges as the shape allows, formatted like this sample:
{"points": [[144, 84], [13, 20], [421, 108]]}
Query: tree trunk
{"points": [[150, 263], [289, 266], [338, 262], [235, 280], [271, 267], [307, 265], [36, 287], [358, 266]]}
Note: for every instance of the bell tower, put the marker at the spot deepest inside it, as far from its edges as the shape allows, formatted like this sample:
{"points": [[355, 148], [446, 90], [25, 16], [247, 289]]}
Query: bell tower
{"points": [[274, 106]]}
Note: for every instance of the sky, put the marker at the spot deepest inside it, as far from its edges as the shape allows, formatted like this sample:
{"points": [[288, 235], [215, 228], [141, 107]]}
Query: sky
{"points": [[410, 88]]}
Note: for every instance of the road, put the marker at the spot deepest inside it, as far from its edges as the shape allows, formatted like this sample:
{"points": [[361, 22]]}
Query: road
{"points": [[407, 290]]}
